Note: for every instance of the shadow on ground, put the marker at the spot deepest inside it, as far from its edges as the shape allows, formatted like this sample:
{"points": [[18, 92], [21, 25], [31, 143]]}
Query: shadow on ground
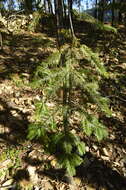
{"points": [[13, 128], [97, 174], [22, 58], [23, 52]]}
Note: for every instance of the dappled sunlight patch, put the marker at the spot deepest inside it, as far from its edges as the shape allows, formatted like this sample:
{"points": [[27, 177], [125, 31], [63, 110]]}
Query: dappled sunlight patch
{"points": [[23, 52]]}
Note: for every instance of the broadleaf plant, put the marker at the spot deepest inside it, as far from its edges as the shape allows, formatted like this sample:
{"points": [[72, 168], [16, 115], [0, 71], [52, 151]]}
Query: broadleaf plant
{"points": [[69, 79]]}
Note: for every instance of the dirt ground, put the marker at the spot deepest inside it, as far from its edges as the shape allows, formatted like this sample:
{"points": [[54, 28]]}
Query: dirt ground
{"points": [[23, 164]]}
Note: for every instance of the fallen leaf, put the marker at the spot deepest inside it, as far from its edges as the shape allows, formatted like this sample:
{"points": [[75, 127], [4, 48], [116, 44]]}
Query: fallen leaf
{"points": [[33, 175], [7, 184], [48, 186], [105, 158], [77, 180], [53, 162], [106, 153], [5, 163]]}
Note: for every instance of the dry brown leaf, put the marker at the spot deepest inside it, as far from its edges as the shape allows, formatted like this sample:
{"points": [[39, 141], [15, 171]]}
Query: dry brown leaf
{"points": [[33, 175], [48, 186], [105, 151], [77, 180], [5, 163], [105, 158]]}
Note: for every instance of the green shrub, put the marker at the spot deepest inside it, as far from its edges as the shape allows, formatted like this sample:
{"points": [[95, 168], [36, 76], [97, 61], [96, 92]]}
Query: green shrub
{"points": [[75, 71]]}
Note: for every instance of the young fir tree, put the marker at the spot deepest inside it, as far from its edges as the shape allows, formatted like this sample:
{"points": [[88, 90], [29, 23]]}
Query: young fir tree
{"points": [[75, 71]]}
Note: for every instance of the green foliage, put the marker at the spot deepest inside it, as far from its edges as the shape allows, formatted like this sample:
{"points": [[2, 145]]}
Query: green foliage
{"points": [[66, 35], [105, 27], [87, 17], [70, 151], [44, 123], [17, 80], [74, 71], [93, 126], [11, 154], [35, 22], [117, 6], [95, 24]]}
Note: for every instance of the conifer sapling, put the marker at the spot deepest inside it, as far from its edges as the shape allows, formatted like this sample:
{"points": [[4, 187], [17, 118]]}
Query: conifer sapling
{"points": [[75, 70]]}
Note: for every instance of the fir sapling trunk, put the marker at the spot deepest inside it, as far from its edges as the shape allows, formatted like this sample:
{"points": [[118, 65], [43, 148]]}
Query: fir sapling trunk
{"points": [[67, 88], [67, 92], [70, 90], [66, 113], [65, 108]]}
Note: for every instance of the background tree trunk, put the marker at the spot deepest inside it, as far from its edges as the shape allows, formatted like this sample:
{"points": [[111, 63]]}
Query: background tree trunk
{"points": [[28, 6], [113, 12], [70, 17], [50, 6], [59, 19], [101, 10], [96, 9]]}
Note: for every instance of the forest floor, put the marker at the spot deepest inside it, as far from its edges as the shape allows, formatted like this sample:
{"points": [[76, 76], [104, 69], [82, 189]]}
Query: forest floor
{"points": [[24, 164]]}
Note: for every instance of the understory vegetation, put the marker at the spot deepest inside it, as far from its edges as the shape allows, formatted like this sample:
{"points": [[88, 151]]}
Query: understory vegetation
{"points": [[75, 72], [62, 97]]}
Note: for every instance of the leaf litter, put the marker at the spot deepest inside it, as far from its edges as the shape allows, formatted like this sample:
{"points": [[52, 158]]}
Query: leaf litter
{"points": [[104, 164]]}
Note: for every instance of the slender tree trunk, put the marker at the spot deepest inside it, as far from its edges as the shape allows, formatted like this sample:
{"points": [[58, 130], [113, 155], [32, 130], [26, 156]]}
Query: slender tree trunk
{"points": [[64, 10], [101, 10], [50, 6], [59, 13], [70, 17], [59, 20], [28, 5], [11, 5], [70, 7], [45, 6], [113, 12], [96, 9], [1, 5], [79, 6], [120, 17], [65, 108]]}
